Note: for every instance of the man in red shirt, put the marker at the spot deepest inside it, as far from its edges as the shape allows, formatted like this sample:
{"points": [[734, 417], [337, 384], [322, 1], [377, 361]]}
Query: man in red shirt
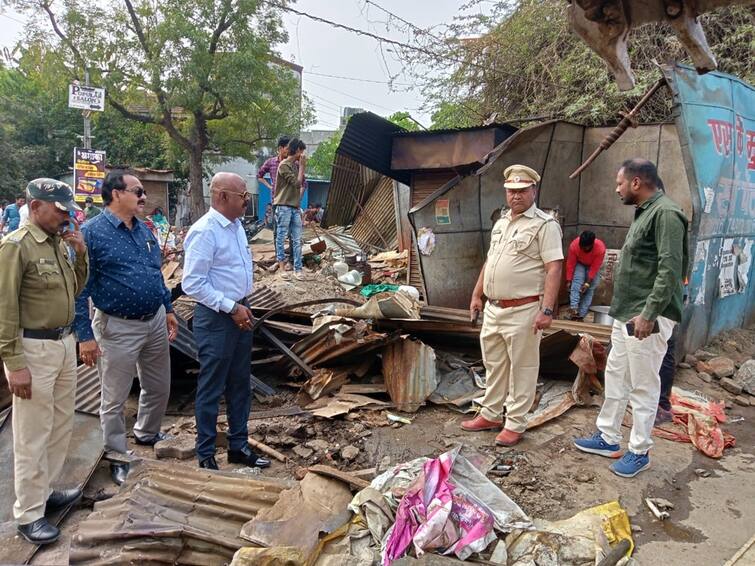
{"points": [[583, 263]]}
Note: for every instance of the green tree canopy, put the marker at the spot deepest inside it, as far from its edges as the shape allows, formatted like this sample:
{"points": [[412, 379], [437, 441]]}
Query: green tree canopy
{"points": [[205, 73], [320, 164]]}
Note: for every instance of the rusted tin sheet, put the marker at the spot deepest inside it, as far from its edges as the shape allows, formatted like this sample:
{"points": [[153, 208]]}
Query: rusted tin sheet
{"points": [[442, 149], [173, 514], [88, 390], [339, 343], [84, 453], [716, 125], [376, 223], [410, 373]]}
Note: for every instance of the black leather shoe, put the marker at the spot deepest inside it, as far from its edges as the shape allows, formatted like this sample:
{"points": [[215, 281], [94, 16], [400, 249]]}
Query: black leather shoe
{"points": [[60, 499], [39, 532], [209, 463], [154, 440], [247, 457], [118, 472]]}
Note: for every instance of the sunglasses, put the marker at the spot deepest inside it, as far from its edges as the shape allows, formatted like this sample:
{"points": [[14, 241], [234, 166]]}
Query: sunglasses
{"points": [[139, 191]]}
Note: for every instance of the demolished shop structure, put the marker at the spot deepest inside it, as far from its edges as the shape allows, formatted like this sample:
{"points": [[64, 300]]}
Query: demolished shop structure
{"points": [[705, 157]]}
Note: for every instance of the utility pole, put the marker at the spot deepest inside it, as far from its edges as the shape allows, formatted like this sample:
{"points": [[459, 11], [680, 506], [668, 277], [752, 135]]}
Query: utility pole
{"points": [[87, 122]]}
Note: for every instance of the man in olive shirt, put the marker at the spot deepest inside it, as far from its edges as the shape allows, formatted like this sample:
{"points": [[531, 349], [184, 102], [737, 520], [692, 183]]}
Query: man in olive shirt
{"points": [[38, 283], [520, 279], [289, 188], [647, 303]]}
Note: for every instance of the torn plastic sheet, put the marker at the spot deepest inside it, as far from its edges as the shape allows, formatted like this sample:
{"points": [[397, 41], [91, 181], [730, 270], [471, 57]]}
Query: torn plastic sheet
{"points": [[585, 538], [696, 420], [452, 508]]}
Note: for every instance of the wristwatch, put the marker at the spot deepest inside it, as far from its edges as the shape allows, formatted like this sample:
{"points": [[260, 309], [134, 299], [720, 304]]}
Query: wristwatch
{"points": [[235, 308], [548, 311]]}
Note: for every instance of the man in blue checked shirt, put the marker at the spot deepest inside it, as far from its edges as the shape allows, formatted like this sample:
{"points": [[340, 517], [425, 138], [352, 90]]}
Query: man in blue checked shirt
{"points": [[133, 318], [218, 274]]}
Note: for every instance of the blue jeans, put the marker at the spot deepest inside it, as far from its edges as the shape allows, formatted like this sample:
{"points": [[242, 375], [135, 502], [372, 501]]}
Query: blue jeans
{"points": [[582, 302], [225, 354], [288, 219]]}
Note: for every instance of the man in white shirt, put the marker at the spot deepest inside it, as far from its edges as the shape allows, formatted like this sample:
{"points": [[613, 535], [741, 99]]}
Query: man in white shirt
{"points": [[218, 274]]}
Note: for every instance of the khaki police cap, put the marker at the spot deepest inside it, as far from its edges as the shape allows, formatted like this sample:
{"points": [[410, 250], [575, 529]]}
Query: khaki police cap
{"points": [[520, 177], [52, 190]]}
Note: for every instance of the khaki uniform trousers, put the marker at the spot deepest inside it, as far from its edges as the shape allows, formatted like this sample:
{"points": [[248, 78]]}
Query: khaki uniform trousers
{"points": [[42, 425], [511, 354]]}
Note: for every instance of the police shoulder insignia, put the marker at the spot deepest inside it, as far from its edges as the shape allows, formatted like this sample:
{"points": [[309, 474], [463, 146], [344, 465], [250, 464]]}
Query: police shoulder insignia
{"points": [[544, 215]]}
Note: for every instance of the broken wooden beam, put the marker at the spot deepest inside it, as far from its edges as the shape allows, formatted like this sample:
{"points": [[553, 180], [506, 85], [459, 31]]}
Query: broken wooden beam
{"points": [[345, 477]]}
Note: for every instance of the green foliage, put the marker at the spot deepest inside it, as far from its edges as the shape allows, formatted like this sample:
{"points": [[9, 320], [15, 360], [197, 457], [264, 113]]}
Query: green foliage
{"points": [[320, 163], [404, 120], [201, 72], [526, 62]]}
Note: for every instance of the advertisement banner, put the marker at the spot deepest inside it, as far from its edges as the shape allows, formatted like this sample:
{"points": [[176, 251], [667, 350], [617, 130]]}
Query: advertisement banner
{"points": [[88, 174], [86, 97]]}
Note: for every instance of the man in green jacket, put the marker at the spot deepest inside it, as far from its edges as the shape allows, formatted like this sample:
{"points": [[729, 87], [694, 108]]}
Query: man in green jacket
{"points": [[647, 303]]}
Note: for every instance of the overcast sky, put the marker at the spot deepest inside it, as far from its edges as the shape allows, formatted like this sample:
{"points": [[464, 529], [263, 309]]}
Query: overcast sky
{"points": [[324, 50]]}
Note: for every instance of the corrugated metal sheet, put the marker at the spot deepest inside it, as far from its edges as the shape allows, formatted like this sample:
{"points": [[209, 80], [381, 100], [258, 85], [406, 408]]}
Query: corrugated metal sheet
{"points": [[376, 225], [262, 297], [339, 343], [350, 184], [368, 140], [88, 390], [173, 514], [409, 371], [425, 183]]}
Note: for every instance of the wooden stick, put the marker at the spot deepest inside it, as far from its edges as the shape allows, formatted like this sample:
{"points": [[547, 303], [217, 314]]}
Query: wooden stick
{"points": [[267, 450], [345, 477]]}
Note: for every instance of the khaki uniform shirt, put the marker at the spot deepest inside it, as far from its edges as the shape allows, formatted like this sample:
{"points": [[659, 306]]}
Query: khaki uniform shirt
{"points": [[519, 250], [38, 284]]}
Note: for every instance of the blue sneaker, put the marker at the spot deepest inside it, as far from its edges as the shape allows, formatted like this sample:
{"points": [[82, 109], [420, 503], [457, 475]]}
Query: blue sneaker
{"points": [[596, 445], [630, 464]]}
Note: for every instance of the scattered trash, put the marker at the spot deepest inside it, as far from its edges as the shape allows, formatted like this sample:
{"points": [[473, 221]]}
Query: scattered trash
{"points": [[696, 420], [315, 505], [703, 473], [398, 419], [585, 538], [657, 508]]}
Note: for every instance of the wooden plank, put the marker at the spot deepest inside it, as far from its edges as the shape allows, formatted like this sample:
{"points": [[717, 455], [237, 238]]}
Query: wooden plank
{"points": [[364, 388], [345, 477]]}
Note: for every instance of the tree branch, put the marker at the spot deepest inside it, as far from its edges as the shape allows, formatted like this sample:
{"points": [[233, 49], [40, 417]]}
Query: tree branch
{"points": [[54, 22], [144, 119]]}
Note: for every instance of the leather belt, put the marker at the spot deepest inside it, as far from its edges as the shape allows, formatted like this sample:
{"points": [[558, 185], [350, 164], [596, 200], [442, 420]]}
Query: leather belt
{"points": [[51, 334], [143, 317], [508, 303]]}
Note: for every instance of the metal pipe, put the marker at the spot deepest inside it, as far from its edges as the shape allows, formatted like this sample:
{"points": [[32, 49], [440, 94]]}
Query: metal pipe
{"points": [[621, 127]]}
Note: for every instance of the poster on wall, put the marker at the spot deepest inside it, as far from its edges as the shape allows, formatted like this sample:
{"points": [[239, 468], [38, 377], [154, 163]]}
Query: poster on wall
{"points": [[88, 174], [442, 211]]}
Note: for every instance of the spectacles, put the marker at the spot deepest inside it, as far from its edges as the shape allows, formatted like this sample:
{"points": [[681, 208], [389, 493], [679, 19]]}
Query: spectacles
{"points": [[138, 191], [246, 195]]}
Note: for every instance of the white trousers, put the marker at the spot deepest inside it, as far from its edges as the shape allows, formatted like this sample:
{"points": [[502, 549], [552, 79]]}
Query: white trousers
{"points": [[632, 377]]}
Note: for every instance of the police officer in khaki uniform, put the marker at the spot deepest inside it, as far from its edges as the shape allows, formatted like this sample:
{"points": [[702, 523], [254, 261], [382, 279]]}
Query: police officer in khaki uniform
{"points": [[39, 280], [520, 279]]}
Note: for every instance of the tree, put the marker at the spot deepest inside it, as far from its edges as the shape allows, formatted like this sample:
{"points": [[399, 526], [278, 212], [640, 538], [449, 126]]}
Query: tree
{"points": [[320, 164], [38, 131], [404, 120], [523, 60], [202, 72]]}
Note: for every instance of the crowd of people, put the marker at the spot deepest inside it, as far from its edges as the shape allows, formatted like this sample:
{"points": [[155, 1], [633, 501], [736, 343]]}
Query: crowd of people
{"points": [[56, 273]]}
